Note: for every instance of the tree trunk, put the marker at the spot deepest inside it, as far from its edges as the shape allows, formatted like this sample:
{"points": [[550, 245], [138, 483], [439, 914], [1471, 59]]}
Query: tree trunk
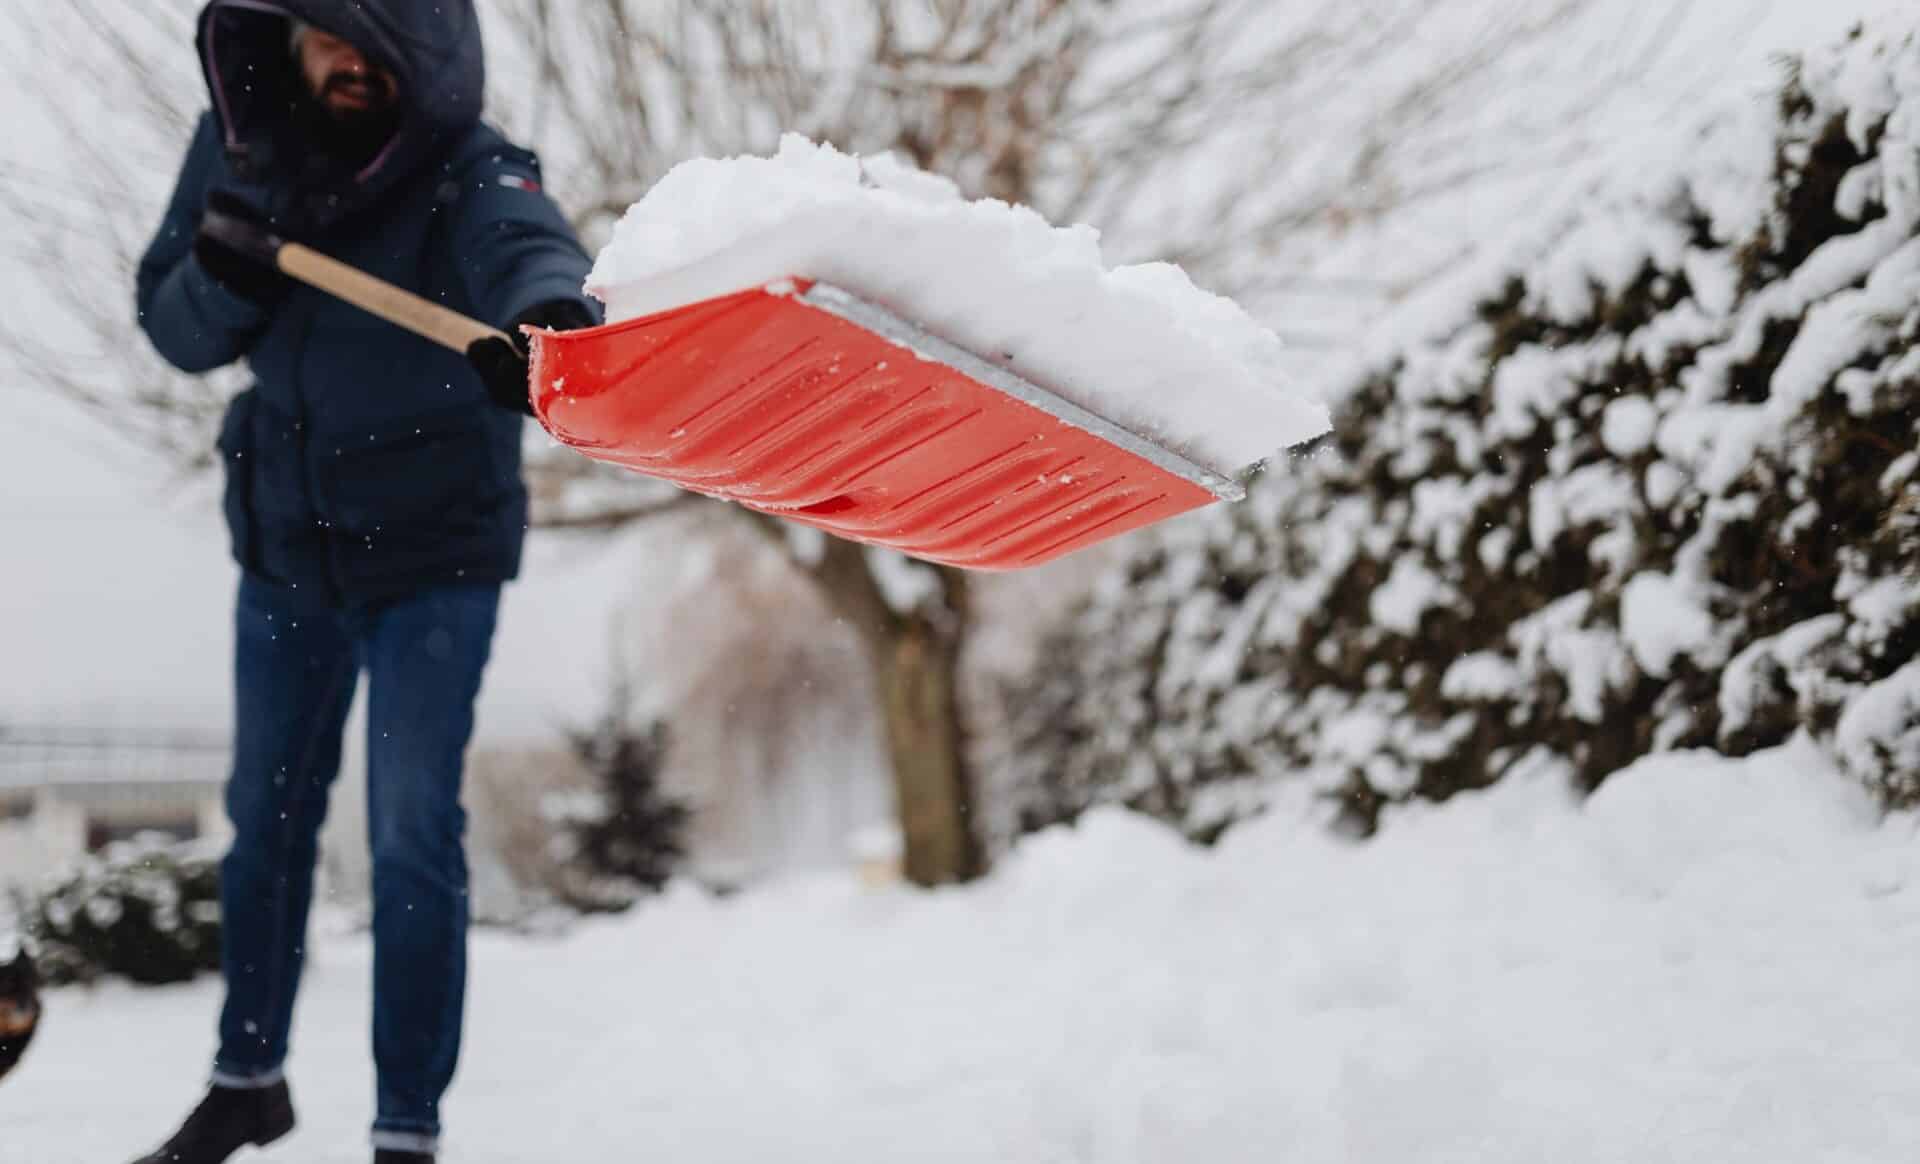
{"points": [[927, 750], [916, 669]]}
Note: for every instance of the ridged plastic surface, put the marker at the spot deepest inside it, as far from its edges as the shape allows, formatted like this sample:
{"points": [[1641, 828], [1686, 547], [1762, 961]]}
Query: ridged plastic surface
{"points": [[768, 401]]}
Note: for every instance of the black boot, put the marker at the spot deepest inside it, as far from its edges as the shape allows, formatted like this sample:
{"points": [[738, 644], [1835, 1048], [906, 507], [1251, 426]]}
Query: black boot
{"points": [[389, 1156], [227, 1120]]}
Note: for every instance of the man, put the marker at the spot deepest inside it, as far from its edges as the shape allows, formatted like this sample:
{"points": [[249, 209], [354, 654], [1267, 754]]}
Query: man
{"points": [[373, 495]]}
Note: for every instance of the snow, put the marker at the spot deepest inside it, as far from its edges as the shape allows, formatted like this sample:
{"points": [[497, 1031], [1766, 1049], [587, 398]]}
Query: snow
{"points": [[1139, 345], [1787, 658], [1408, 593], [1709, 960], [1863, 186], [1596, 494], [1528, 385], [1591, 663], [1483, 677], [1881, 727], [1837, 331], [1662, 621], [1603, 255], [905, 585], [1628, 426], [1882, 608]]}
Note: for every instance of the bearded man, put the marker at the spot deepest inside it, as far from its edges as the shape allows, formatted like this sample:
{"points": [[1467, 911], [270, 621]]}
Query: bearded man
{"points": [[373, 496]]}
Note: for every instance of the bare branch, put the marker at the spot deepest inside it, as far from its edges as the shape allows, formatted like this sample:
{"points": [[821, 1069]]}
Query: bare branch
{"points": [[618, 516]]}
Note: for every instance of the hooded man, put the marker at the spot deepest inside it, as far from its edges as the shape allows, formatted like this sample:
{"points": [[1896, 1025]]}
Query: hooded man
{"points": [[373, 495]]}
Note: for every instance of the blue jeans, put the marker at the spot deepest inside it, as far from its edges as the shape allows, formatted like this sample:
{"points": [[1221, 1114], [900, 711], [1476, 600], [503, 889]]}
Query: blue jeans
{"points": [[296, 664]]}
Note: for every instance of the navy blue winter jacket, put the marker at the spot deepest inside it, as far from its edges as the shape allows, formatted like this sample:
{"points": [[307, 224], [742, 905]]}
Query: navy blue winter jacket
{"points": [[364, 462]]}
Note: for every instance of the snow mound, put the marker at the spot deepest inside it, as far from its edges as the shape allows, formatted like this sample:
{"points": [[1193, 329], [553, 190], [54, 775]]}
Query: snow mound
{"points": [[1139, 345]]}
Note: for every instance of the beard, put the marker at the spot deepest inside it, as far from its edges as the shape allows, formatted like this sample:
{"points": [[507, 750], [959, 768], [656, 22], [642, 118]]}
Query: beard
{"points": [[352, 135]]}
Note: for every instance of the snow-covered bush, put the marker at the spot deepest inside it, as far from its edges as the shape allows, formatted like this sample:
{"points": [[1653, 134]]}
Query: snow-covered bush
{"points": [[146, 910], [621, 837], [1658, 488]]}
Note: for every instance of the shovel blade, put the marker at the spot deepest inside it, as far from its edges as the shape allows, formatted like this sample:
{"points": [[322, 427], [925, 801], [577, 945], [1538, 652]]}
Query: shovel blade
{"points": [[819, 408]]}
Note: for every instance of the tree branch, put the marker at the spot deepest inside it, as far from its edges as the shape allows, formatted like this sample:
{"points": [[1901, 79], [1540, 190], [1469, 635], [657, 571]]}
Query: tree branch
{"points": [[620, 516]]}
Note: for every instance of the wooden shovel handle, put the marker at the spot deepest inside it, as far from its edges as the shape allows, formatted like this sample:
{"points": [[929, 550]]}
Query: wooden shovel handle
{"points": [[402, 308]]}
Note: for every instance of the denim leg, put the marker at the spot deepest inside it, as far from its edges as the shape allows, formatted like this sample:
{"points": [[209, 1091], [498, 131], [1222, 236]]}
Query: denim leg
{"points": [[294, 673], [424, 657]]}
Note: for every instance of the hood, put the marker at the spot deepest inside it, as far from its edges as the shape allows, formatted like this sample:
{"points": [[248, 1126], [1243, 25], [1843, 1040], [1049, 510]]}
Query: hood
{"points": [[432, 49]]}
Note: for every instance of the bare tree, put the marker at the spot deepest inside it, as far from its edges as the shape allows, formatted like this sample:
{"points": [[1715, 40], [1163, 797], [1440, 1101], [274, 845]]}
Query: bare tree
{"points": [[1212, 132], [93, 150]]}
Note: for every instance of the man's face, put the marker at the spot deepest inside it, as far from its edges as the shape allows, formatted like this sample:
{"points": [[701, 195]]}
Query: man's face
{"points": [[345, 83]]}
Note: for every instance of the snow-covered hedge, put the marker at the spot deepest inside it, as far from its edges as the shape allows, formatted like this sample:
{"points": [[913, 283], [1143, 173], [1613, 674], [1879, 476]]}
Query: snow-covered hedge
{"points": [[1659, 488], [145, 910]]}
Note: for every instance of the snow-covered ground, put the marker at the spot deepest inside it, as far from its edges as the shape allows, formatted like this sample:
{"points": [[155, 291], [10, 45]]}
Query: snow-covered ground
{"points": [[1711, 960]]}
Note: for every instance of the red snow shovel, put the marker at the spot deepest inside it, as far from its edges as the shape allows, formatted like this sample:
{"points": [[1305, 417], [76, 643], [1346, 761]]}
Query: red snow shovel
{"points": [[813, 405]]}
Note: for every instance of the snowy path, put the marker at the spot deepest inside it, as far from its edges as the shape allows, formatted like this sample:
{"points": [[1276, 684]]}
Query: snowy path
{"points": [[1711, 962]]}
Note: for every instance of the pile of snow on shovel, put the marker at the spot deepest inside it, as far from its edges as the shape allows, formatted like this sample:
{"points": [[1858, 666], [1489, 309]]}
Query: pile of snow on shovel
{"points": [[1140, 345]]}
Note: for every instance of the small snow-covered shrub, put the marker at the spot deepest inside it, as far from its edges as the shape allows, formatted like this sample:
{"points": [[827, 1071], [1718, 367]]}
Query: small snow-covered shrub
{"points": [[1658, 488], [145, 910], [622, 837]]}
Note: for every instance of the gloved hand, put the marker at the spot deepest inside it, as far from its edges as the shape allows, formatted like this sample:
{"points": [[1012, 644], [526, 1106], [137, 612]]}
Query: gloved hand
{"points": [[246, 270], [503, 366]]}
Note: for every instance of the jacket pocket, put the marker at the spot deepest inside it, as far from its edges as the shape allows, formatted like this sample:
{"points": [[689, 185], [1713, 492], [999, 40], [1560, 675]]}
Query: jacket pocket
{"points": [[436, 475], [236, 447]]}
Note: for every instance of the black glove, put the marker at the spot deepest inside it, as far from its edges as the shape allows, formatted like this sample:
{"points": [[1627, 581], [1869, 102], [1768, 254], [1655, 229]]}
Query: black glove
{"points": [[238, 249], [503, 366]]}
